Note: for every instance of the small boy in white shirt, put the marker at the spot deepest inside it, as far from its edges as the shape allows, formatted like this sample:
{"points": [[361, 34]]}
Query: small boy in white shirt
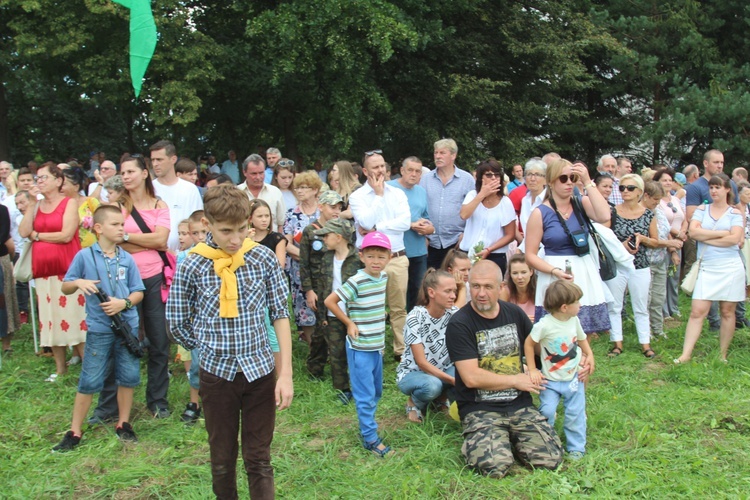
{"points": [[561, 340]]}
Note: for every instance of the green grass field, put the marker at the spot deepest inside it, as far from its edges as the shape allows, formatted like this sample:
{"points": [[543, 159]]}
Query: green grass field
{"points": [[654, 430]]}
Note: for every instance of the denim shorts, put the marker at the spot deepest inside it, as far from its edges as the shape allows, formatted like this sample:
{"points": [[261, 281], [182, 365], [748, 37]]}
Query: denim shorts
{"points": [[102, 352]]}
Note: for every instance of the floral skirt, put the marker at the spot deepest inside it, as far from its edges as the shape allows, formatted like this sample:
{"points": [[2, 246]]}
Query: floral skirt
{"points": [[593, 314], [62, 317], [303, 315]]}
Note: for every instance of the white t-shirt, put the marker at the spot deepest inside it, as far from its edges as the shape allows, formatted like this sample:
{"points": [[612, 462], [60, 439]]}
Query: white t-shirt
{"points": [[558, 341], [487, 224], [103, 195], [183, 199], [337, 282]]}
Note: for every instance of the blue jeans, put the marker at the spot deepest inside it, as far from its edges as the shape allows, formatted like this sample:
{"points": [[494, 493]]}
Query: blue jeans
{"points": [[574, 403], [424, 388], [366, 383], [101, 351], [417, 269], [194, 372]]}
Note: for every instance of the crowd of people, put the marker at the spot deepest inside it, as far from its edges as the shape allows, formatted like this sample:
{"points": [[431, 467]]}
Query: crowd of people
{"points": [[478, 273]]}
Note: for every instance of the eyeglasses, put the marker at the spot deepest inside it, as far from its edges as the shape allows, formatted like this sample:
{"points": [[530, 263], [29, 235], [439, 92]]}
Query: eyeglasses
{"points": [[374, 152], [674, 209], [493, 174], [629, 188], [534, 174], [41, 177], [286, 163], [565, 178]]}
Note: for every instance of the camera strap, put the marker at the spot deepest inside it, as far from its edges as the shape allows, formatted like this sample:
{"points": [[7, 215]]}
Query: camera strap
{"points": [[562, 220], [112, 282]]}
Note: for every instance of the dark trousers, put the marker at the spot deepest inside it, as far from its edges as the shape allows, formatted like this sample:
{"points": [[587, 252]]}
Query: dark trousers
{"points": [[22, 291], [152, 314], [435, 256], [336, 340], [500, 259], [225, 405], [318, 355], [417, 269]]}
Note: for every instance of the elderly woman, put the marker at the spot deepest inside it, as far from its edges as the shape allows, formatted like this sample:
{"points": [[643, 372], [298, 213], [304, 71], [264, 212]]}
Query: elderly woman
{"points": [[53, 232], [489, 215], [307, 186], [536, 185], [718, 230], [670, 206], [558, 224], [426, 372], [635, 226], [665, 254]]}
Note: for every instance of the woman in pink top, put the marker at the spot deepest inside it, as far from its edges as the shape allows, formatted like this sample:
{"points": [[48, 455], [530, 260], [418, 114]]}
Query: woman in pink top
{"points": [[53, 231], [140, 200], [519, 287], [670, 206]]}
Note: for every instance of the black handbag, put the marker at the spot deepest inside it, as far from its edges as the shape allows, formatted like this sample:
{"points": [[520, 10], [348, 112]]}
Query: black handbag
{"points": [[607, 264]]}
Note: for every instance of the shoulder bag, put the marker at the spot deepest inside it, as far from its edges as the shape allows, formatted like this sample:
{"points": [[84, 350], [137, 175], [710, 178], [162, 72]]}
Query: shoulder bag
{"points": [[607, 264], [22, 270]]}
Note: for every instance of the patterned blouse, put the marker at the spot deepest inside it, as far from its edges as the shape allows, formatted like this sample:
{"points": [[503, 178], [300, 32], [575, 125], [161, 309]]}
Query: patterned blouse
{"points": [[624, 228], [86, 222]]}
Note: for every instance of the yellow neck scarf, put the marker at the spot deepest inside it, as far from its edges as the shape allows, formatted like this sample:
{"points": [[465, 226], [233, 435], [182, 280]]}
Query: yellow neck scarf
{"points": [[225, 265]]}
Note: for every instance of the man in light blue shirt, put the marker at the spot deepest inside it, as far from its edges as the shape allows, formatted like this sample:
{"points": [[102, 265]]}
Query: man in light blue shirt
{"points": [[231, 168], [415, 239], [446, 187], [273, 155]]}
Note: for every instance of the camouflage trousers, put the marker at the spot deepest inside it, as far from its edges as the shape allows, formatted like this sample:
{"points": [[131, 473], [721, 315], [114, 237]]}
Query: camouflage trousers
{"points": [[329, 343], [492, 439]]}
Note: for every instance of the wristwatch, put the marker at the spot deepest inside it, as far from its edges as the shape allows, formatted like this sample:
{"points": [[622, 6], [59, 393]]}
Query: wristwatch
{"points": [[36, 238], [125, 237], [128, 304]]}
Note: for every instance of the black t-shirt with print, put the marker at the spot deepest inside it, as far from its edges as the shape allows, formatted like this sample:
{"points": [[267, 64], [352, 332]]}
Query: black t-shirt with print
{"points": [[498, 345]]}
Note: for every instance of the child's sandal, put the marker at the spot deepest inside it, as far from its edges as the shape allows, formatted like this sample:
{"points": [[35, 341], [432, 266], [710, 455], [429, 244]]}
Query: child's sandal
{"points": [[373, 447]]}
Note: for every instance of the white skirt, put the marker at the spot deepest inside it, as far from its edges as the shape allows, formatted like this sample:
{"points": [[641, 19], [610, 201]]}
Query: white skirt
{"points": [[721, 279], [593, 314]]}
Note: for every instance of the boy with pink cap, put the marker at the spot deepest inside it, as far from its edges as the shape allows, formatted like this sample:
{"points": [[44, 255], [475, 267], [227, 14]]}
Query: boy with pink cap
{"points": [[363, 297]]}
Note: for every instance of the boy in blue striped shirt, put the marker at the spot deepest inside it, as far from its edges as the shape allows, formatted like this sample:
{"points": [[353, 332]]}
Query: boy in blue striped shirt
{"points": [[363, 296]]}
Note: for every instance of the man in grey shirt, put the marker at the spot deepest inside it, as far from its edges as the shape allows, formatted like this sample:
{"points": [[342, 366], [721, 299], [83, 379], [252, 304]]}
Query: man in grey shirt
{"points": [[446, 187]]}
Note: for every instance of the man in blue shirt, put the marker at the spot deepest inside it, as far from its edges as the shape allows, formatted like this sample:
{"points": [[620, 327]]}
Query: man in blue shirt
{"points": [[231, 168], [415, 239], [446, 187]]}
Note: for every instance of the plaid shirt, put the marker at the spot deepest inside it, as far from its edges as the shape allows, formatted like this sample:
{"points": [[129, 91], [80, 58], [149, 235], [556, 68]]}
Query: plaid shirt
{"points": [[228, 345]]}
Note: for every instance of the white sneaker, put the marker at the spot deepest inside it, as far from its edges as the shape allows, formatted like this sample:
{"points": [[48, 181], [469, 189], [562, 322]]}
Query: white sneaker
{"points": [[51, 378]]}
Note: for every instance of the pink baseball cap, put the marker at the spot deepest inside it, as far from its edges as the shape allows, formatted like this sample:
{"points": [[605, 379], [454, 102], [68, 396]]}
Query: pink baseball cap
{"points": [[376, 239]]}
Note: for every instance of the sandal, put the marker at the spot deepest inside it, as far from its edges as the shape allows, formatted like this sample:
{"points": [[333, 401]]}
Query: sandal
{"points": [[373, 447], [616, 351], [649, 353], [410, 409]]}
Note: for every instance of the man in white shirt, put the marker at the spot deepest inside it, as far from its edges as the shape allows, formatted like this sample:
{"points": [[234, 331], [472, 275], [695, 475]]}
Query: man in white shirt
{"points": [[181, 197], [107, 170], [254, 168], [377, 206]]}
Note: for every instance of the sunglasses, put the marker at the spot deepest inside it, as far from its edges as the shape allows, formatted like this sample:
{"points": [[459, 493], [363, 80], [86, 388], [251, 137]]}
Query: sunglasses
{"points": [[493, 174], [286, 163], [374, 152], [674, 209], [629, 188], [564, 178]]}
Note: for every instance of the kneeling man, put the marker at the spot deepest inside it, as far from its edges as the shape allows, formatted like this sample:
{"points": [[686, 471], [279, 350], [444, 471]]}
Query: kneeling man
{"points": [[485, 341]]}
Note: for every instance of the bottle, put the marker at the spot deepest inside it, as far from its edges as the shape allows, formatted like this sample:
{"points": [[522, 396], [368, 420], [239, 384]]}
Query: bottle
{"points": [[568, 268]]}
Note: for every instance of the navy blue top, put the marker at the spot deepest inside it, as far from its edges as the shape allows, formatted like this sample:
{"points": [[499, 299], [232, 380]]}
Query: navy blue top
{"points": [[125, 279], [554, 238]]}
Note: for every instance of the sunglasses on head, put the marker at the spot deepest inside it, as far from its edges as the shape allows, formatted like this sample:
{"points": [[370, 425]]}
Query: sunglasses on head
{"points": [[374, 152], [629, 188], [286, 163], [564, 178]]}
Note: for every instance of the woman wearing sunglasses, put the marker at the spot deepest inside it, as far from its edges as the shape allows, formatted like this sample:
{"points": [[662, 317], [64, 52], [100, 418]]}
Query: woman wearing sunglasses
{"points": [[559, 225], [671, 207], [635, 226], [489, 215]]}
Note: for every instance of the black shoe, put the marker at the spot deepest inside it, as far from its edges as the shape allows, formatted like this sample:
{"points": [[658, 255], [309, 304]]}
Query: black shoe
{"points": [[191, 413], [126, 433], [161, 413], [97, 419], [68, 443], [345, 397]]}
